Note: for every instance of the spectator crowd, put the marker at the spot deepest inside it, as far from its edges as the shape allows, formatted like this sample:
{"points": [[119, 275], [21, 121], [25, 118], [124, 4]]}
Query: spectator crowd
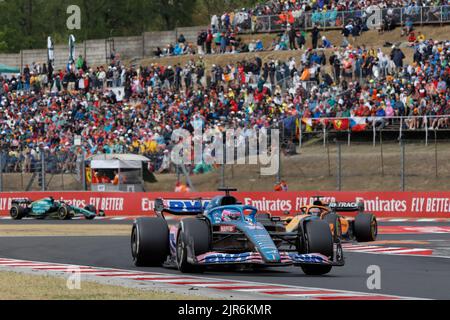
{"points": [[118, 109]]}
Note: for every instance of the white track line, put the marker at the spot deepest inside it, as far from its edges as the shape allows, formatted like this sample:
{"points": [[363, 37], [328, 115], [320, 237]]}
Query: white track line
{"points": [[277, 290]]}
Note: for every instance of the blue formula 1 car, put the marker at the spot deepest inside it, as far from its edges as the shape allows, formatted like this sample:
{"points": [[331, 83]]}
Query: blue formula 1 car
{"points": [[222, 232], [50, 208]]}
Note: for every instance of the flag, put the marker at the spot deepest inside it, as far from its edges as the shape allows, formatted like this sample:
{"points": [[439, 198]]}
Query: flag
{"points": [[227, 77], [88, 176], [341, 124], [71, 48], [358, 124], [309, 123], [50, 50]]}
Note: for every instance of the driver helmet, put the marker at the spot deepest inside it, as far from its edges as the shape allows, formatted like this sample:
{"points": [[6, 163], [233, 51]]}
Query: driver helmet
{"points": [[315, 211], [230, 215]]}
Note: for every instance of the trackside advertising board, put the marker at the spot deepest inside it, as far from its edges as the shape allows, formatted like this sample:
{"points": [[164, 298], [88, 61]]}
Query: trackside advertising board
{"points": [[382, 204]]}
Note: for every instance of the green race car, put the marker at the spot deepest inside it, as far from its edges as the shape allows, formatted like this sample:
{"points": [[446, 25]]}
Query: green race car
{"points": [[49, 208]]}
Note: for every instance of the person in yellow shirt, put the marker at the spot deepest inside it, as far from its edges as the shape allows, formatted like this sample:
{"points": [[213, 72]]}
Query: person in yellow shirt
{"points": [[153, 146], [135, 145], [420, 37]]}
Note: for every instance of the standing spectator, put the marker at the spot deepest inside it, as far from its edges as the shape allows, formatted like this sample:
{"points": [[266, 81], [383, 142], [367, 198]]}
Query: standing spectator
{"points": [[181, 39], [201, 39], [292, 37], [397, 56], [301, 41], [208, 42], [315, 33]]}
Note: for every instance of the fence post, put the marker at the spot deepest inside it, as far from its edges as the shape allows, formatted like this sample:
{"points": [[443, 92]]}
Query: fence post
{"points": [[329, 160], [224, 138], [374, 135], [426, 130], [324, 136], [279, 177], [301, 133], [43, 187], [83, 170], [382, 153], [401, 17], [339, 167], [421, 16], [402, 165], [436, 153], [1, 171]]}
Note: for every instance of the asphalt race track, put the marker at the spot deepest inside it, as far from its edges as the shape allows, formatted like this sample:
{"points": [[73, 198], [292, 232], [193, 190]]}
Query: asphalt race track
{"points": [[412, 265]]}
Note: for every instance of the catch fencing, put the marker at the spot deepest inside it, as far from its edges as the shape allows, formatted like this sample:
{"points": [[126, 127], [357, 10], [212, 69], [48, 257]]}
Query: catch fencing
{"points": [[344, 154], [395, 153], [333, 19], [22, 170]]}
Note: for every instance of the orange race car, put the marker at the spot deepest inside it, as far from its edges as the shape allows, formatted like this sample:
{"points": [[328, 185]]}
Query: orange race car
{"points": [[362, 228]]}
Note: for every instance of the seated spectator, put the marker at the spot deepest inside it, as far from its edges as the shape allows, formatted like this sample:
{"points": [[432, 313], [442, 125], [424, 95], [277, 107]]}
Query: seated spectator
{"points": [[326, 43], [259, 45]]}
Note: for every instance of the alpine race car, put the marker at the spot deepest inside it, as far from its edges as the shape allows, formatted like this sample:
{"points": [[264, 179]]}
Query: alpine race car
{"points": [[49, 208], [362, 228], [227, 233]]}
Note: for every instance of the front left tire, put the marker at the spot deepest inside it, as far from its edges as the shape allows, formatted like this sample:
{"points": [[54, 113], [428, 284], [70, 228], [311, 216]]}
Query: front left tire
{"points": [[150, 242], [318, 239]]}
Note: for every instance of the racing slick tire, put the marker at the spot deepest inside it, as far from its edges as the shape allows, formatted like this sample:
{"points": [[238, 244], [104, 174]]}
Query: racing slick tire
{"points": [[90, 208], [149, 242], [64, 213], [16, 212], [365, 227], [334, 222], [318, 239], [199, 232]]}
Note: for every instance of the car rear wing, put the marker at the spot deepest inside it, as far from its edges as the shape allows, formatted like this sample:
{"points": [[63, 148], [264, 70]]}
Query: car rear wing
{"points": [[22, 201], [180, 207], [346, 206]]}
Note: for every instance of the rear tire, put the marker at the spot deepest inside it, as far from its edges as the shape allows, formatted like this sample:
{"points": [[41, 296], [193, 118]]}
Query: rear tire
{"points": [[63, 213], [366, 227], [16, 212], [318, 240], [149, 242], [199, 232]]}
